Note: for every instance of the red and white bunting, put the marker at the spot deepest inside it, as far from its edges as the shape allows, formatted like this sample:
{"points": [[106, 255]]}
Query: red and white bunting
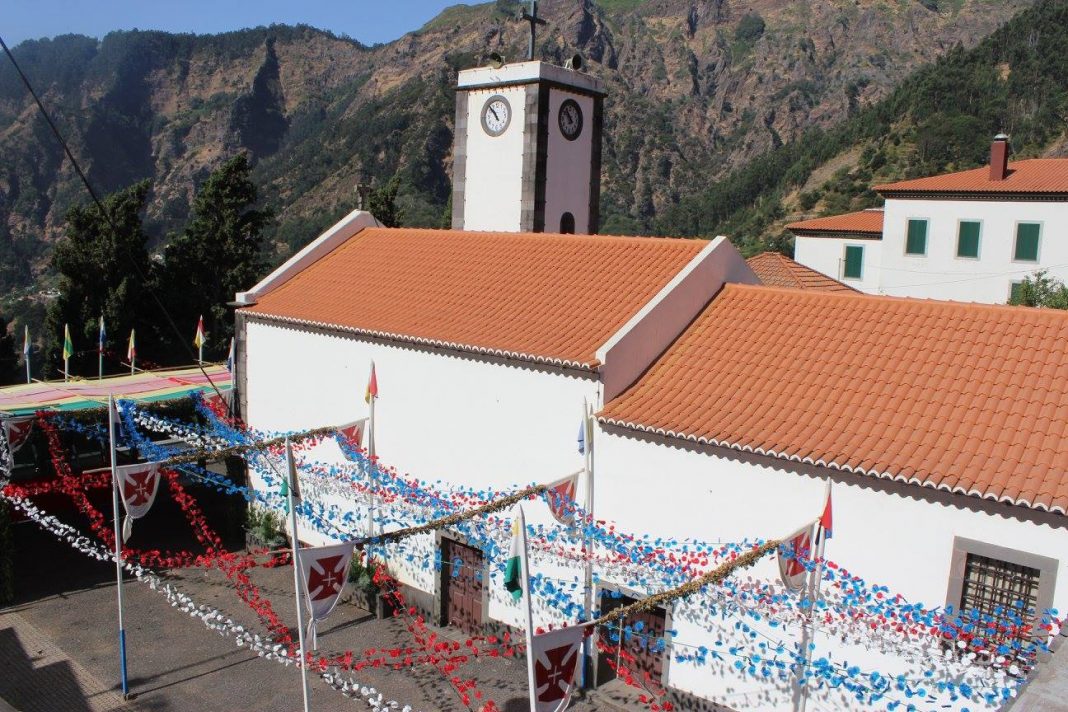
{"points": [[792, 553], [138, 485], [561, 498], [324, 570], [17, 431], [556, 658]]}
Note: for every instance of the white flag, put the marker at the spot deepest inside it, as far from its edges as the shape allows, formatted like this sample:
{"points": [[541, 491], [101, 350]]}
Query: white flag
{"points": [[793, 552], [137, 485], [324, 570], [556, 658]]}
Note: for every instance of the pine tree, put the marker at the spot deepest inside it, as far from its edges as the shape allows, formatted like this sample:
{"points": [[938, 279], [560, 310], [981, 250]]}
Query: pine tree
{"points": [[103, 267]]}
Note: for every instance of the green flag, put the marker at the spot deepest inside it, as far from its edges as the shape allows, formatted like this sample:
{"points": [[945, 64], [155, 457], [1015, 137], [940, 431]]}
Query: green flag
{"points": [[513, 570], [68, 346]]}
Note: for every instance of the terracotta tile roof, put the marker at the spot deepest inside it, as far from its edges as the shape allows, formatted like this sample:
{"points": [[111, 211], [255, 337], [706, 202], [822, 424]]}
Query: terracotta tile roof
{"points": [[777, 270], [966, 398], [542, 297], [1033, 176], [864, 222]]}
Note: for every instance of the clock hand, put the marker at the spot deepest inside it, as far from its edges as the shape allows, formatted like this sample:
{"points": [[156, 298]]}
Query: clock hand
{"points": [[494, 114]]}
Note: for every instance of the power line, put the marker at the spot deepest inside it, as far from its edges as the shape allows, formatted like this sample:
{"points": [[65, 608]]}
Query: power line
{"points": [[103, 211]]}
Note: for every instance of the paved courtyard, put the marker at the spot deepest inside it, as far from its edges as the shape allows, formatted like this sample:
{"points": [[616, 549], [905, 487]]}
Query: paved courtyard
{"points": [[59, 642]]}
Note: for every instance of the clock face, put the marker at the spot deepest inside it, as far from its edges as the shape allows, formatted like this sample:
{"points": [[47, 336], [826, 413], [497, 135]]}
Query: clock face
{"points": [[570, 119], [496, 115]]}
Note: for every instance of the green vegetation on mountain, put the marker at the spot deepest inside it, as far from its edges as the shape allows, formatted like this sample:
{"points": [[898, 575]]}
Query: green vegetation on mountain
{"points": [[722, 116], [942, 118]]}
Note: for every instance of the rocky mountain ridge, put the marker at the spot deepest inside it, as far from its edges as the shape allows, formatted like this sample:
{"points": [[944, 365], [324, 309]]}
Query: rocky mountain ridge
{"points": [[697, 88]]}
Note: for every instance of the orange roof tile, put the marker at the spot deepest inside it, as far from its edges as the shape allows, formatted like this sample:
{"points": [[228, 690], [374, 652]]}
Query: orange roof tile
{"points": [[542, 297], [1032, 176], [864, 222], [966, 398], [777, 270]]}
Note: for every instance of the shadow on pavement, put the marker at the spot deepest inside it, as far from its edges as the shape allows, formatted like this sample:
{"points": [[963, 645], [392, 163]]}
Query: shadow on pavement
{"points": [[30, 689]]}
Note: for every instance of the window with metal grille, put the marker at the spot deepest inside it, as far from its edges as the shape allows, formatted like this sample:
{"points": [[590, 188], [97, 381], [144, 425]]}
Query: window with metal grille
{"points": [[1002, 591]]}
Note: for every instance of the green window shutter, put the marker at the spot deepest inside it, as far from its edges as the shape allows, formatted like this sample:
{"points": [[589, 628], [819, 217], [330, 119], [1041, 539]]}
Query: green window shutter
{"points": [[1027, 242], [1014, 292], [854, 261], [916, 242], [968, 239]]}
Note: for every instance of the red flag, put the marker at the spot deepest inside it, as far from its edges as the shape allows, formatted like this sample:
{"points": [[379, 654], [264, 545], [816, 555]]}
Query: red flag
{"points": [[353, 432], [825, 518], [556, 658], [793, 552], [372, 386], [561, 498]]}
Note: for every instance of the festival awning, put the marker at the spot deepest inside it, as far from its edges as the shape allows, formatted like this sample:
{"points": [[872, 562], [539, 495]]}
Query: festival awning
{"points": [[144, 387]]}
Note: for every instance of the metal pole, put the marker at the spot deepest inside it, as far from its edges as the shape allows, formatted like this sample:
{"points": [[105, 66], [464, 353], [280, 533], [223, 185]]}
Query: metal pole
{"points": [[533, 28], [66, 369], [373, 469], [587, 666], [100, 365], [809, 635], [292, 474], [530, 615], [118, 545]]}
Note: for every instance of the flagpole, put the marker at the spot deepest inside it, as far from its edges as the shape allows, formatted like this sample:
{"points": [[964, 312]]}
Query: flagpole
{"points": [[530, 614], [100, 352], [587, 662], [808, 635], [371, 453], [26, 352], [292, 474], [118, 545]]}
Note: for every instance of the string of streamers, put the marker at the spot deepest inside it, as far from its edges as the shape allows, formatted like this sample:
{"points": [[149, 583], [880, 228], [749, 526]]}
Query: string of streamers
{"points": [[715, 576]]}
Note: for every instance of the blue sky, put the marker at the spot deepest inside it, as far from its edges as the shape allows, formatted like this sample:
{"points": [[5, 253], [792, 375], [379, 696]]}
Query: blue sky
{"points": [[369, 21]]}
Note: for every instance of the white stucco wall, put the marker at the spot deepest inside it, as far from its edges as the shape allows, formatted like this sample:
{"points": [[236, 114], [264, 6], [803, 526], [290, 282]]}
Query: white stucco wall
{"points": [[942, 275], [827, 255], [440, 416], [494, 171], [896, 539], [568, 164]]}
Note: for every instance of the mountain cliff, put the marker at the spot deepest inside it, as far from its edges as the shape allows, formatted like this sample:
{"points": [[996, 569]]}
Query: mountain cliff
{"points": [[696, 89]]}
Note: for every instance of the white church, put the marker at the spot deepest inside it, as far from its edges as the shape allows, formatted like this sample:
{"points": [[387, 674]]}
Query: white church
{"points": [[723, 407]]}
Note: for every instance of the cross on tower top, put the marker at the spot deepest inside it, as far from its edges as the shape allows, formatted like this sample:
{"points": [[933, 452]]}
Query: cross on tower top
{"points": [[531, 16]]}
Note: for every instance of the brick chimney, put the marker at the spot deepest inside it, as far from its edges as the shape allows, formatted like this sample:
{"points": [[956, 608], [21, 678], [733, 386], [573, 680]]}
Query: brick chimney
{"points": [[999, 157]]}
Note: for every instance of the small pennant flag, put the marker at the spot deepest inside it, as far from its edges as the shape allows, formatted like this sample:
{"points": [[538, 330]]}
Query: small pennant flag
{"points": [[103, 336], [825, 518], [513, 570], [198, 340], [561, 498], [116, 418], [26, 343], [230, 357], [556, 659], [290, 482], [793, 552], [131, 348], [68, 345], [372, 386], [352, 433]]}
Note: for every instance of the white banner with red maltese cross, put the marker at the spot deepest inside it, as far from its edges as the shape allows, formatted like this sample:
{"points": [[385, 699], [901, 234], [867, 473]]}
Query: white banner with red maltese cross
{"points": [[794, 551], [556, 659], [560, 496], [17, 432], [324, 569], [137, 485], [353, 432]]}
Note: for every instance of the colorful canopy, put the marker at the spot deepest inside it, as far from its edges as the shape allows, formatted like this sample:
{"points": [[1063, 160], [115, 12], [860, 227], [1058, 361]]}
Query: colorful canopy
{"points": [[145, 387]]}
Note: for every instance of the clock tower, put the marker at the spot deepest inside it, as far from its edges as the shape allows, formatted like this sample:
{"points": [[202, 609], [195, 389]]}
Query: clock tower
{"points": [[527, 152]]}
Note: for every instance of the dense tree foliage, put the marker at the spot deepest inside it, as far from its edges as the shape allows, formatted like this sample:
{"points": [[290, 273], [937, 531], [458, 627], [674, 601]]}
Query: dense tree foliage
{"points": [[1040, 290], [219, 253], [383, 204], [9, 357], [103, 269]]}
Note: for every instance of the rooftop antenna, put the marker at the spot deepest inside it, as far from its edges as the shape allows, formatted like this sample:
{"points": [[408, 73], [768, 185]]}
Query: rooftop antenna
{"points": [[531, 16]]}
